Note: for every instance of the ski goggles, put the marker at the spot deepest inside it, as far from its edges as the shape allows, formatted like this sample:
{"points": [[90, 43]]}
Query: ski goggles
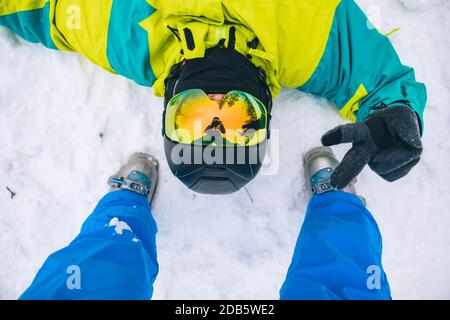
{"points": [[239, 119]]}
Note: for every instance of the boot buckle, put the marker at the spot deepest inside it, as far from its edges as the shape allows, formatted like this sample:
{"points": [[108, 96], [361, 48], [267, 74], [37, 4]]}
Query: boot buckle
{"points": [[127, 184]]}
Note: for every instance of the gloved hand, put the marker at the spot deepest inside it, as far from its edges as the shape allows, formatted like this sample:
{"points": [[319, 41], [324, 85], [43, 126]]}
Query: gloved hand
{"points": [[388, 140]]}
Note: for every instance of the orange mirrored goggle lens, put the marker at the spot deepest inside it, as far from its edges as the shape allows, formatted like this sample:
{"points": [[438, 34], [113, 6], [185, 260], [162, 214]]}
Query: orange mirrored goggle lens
{"points": [[238, 119]]}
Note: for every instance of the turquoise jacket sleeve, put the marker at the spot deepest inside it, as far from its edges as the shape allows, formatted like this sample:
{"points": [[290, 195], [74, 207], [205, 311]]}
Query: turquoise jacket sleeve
{"points": [[31, 25], [360, 71], [108, 33]]}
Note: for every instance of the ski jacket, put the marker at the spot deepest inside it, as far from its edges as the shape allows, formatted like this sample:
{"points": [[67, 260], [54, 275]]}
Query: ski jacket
{"points": [[326, 48]]}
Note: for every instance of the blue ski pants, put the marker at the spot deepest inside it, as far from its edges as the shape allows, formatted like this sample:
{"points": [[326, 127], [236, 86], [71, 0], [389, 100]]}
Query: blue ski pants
{"points": [[337, 256]]}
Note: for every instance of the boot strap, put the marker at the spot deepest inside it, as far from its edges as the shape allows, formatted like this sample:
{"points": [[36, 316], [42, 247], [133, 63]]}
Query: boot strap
{"points": [[127, 184]]}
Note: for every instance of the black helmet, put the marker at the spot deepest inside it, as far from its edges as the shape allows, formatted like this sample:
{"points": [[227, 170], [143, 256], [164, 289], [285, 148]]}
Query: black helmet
{"points": [[220, 71]]}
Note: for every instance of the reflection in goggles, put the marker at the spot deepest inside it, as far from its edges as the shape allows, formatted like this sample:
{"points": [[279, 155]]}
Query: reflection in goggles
{"points": [[238, 119]]}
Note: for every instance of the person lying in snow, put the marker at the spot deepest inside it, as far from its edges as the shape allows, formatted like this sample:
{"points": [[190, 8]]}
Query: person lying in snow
{"points": [[191, 50], [227, 59]]}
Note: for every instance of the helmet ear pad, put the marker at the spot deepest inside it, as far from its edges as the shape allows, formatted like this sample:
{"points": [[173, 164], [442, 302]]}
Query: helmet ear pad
{"points": [[214, 170]]}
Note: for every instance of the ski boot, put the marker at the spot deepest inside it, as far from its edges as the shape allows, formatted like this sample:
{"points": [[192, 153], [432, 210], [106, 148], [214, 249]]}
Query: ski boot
{"points": [[320, 163], [139, 174]]}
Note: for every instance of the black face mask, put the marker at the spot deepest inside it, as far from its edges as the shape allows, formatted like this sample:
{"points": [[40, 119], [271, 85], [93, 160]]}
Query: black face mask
{"points": [[220, 71]]}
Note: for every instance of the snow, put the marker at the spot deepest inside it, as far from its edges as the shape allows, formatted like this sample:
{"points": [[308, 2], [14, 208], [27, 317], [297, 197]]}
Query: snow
{"points": [[119, 226], [55, 106], [420, 4]]}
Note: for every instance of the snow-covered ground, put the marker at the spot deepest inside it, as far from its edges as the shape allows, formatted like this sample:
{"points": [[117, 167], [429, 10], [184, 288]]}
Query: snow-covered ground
{"points": [[54, 107]]}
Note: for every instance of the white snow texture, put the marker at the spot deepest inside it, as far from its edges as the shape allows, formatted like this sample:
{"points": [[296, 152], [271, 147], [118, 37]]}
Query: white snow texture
{"points": [[54, 106]]}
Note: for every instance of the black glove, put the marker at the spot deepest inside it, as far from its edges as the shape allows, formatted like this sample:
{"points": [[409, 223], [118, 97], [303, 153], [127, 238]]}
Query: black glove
{"points": [[388, 140]]}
